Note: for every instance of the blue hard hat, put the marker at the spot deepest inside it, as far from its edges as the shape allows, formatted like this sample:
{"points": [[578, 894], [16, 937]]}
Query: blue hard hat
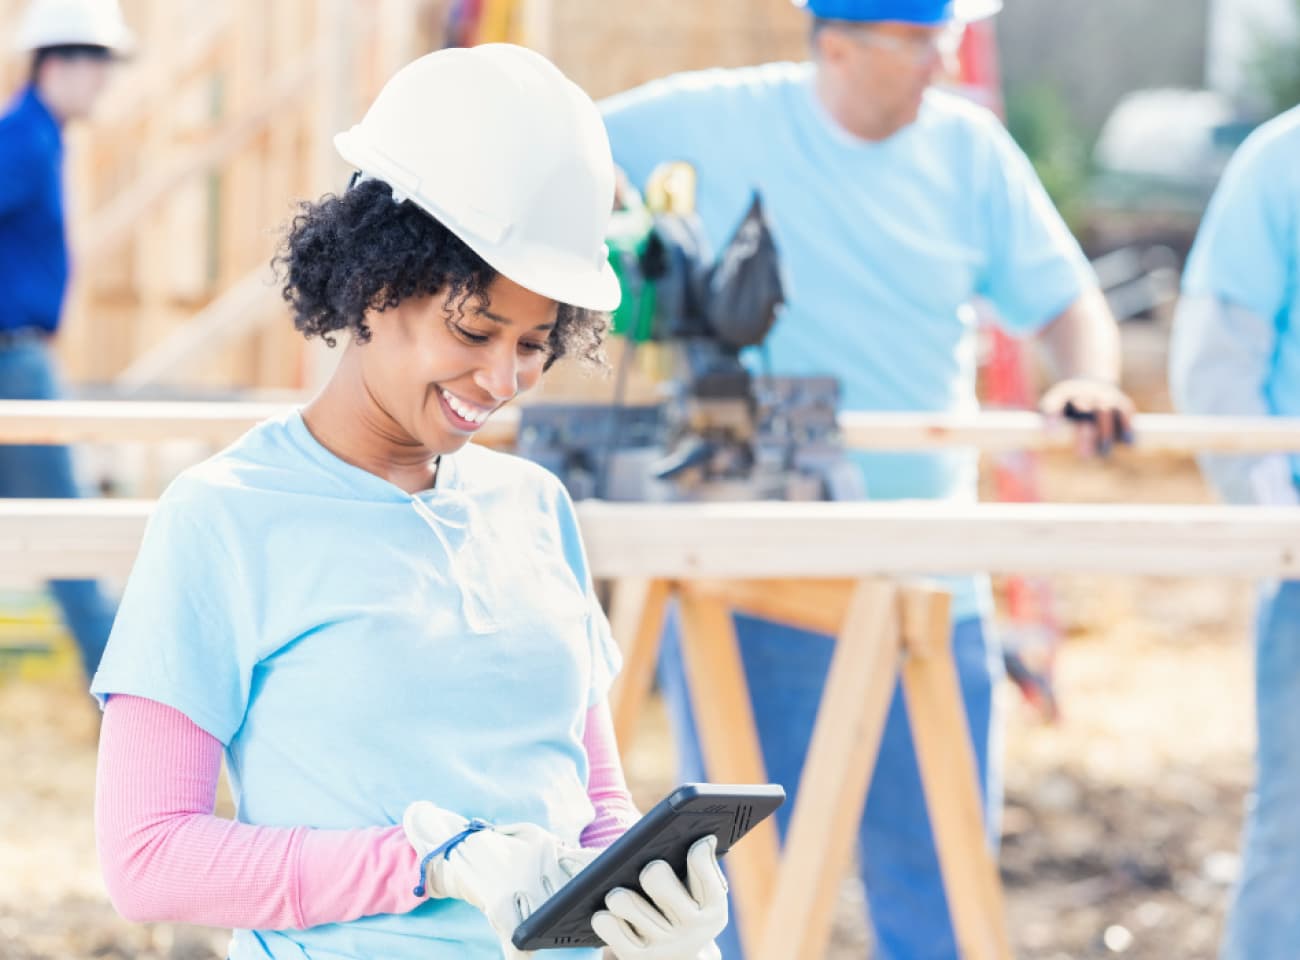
{"points": [[929, 13]]}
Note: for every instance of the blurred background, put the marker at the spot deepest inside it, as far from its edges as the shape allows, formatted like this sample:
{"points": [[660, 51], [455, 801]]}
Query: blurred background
{"points": [[205, 139], [1122, 816]]}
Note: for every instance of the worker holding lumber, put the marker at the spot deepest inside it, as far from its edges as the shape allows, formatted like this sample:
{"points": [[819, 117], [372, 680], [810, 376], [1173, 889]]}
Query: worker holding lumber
{"points": [[390, 633], [894, 205], [71, 44], [1236, 350]]}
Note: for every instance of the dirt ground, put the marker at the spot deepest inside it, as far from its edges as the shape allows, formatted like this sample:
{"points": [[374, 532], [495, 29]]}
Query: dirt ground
{"points": [[1121, 820]]}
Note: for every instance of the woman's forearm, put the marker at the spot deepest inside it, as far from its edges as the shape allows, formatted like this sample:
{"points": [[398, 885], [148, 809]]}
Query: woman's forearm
{"points": [[166, 856], [606, 785]]}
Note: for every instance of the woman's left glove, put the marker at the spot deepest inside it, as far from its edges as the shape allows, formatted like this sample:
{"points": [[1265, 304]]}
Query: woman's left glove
{"points": [[684, 919], [506, 872]]}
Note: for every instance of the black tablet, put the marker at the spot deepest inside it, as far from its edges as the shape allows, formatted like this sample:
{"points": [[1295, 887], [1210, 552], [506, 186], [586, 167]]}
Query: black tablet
{"points": [[666, 832]]}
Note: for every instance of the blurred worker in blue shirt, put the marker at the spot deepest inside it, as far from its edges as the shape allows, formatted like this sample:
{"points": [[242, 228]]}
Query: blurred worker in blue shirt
{"points": [[71, 44], [894, 205], [1236, 350]]}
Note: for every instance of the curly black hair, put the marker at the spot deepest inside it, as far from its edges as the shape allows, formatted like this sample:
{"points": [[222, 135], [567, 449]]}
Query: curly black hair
{"points": [[346, 254]]}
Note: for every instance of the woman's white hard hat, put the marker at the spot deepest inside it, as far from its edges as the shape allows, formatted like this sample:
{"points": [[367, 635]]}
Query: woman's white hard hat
{"points": [[60, 23], [506, 152]]}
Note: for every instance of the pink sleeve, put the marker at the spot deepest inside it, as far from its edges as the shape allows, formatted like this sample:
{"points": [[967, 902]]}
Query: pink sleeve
{"points": [[606, 786], [166, 857]]}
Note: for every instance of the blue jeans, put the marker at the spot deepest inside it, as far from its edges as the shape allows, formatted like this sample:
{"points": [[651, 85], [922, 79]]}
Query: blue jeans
{"points": [[1264, 921], [785, 669], [27, 373]]}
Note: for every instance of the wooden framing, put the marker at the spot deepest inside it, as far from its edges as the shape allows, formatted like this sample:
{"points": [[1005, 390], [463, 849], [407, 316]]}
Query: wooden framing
{"points": [[1000, 431], [804, 541], [111, 421], [89, 421]]}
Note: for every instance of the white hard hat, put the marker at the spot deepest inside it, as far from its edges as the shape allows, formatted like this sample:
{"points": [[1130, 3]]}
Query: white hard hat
{"points": [[507, 153], [57, 23]]}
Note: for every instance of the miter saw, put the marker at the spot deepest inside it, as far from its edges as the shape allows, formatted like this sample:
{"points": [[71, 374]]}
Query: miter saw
{"points": [[719, 431]]}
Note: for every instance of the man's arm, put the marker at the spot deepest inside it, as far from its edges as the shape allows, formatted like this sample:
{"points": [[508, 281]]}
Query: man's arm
{"points": [[1239, 279], [1220, 357], [1082, 343], [1041, 283]]}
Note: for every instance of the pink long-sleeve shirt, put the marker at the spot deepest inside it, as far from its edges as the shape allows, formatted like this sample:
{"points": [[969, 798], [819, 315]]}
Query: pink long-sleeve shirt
{"points": [[166, 856]]}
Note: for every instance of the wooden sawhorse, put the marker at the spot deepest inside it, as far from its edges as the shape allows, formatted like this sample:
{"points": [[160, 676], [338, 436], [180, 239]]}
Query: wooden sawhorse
{"points": [[883, 630]]}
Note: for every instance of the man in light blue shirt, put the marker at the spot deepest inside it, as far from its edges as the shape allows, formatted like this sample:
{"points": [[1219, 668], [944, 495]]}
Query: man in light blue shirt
{"points": [[1236, 350], [893, 206]]}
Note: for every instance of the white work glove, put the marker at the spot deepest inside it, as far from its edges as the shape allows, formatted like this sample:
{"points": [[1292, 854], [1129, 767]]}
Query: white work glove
{"points": [[505, 872], [683, 920]]}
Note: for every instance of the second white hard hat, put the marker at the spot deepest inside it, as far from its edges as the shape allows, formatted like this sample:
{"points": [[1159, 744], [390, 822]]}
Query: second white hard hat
{"points": [[59, 23], [507, 153]]}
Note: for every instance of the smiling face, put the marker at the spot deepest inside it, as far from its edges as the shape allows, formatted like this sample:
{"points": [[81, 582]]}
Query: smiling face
{"points": [[437, 340], [438, 369]]}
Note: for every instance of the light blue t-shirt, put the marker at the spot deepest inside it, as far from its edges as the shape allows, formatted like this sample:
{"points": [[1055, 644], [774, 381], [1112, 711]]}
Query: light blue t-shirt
{"points": [[884, 245], [1247, 251], [357, 648]]}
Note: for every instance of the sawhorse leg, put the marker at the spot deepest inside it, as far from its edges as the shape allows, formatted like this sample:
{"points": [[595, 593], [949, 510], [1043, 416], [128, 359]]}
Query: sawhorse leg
{"points": [[724, 720], [836, 773], [785, 902], [951, 777], [636, 617]]}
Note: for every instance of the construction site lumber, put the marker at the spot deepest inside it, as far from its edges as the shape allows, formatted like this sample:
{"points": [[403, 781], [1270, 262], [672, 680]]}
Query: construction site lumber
{"points": [[82, 538], [1003, 430], [129, 421]]}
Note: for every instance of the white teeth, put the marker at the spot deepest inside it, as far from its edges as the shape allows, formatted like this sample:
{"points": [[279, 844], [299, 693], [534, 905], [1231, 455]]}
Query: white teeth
{"points": [[463, 409]]}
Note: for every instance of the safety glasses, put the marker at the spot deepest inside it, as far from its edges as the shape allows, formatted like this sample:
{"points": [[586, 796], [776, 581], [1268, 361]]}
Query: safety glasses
{"points": [[918, 48]]}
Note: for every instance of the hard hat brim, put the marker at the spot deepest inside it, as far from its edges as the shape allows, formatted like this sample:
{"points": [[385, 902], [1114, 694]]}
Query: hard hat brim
{"points": [[118, 48], [591, 286]]}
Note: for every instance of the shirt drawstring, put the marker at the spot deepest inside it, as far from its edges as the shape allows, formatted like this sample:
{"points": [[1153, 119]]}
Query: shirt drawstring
{"points": [[456, 535]]}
